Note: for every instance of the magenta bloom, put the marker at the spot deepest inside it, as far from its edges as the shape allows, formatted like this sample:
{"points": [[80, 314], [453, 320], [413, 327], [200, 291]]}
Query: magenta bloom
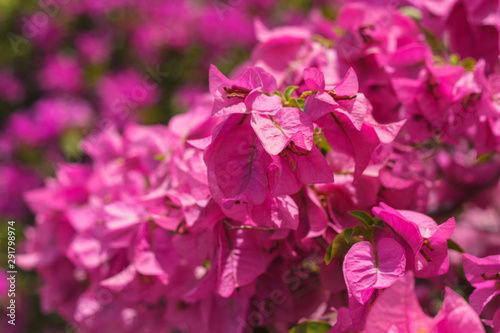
{"points": [[340, 98], [367, 268], [11, 88], [397, 310], [124, 93], [48, 118], [94, 47], [237, 163], [61, 73], [484, 275], [252, 91], [425, 241]]}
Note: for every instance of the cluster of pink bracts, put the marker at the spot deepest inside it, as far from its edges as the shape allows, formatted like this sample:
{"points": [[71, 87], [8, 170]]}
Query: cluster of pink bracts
{"points": [[297, 190]]}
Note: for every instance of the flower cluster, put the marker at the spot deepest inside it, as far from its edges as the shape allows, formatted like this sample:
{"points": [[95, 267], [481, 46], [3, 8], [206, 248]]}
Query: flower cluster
{"points": [[305, 192]]}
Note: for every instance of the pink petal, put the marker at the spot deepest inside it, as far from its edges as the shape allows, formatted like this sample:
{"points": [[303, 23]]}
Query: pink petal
{"points": [[457, 316], [439, 263], [268, 84], [319, 104], [356, 112], [496, 321], [406, 229], [217, 80], [318, 219], [281, 212], [388, 132], [257, 101], [445, 230], [121, 216], [146, 263], [282, 179], [426, 225], [119, 281], [361, 272], [313, 168], [154, 253], [87, 251], [342, 135], [275, 134], [314, 79], [343, 323], [237, 165], [398, 309], [241, 260], [483, 295], [349, 84], [474, 267]]}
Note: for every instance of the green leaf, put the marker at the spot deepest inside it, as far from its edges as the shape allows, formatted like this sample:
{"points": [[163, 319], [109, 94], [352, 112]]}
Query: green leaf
{"points": [[70, 143], [469, 64], [305, 94], [339, 245], [311, 327], [281, 96], [362, 217], [159, 157], [292, 102], [301, 103], [343, 241], [289, 91], [327, 43], [278, 93], [347, 233], [379, 223], [360, 230], [484, 157], [412, 12], [347, 238], [454, 246], [455, 59], [321, 143]]}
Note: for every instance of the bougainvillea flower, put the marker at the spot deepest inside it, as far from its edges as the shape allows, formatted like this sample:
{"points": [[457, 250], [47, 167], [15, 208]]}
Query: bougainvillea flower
{"points": [[154, 254], [252, 91], [407, 316], [484, 275], [456, 315], [366, 269], [237, 163], [278, 131], [279, 212], [341, 98], [344, 137], [61, 73], [240, 260], [279, 49], [426, 241], [291, 169], [397, 310], [432, 258]]}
